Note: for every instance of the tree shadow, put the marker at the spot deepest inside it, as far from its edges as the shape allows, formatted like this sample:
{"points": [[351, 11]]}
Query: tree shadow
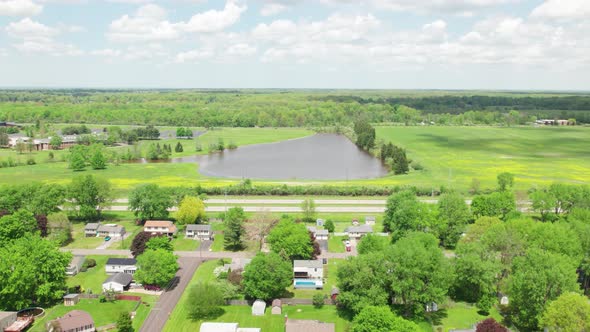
{"points": [[213, 314], [436, 317]]}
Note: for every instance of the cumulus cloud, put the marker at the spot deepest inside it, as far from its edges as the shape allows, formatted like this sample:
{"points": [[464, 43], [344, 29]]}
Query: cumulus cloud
{"points": [[563, 9], [35, 37], [215, 20], [194, 55], [148, 23], [19, 8], [271, 9]]}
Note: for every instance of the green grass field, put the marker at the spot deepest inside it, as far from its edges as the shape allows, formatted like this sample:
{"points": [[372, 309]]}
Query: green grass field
{"points": [[461, 316], [451, 157]]}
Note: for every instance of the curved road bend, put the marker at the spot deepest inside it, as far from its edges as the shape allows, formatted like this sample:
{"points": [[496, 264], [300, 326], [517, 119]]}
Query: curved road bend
{"points": [[161, 311]]}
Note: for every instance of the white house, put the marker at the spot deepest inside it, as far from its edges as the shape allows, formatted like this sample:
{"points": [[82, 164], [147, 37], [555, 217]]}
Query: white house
{"points": [[112, 230], [157, 227], [356, 232], [117, 282], [121, 265], [308, 274], [319, 234], [199, 232]]}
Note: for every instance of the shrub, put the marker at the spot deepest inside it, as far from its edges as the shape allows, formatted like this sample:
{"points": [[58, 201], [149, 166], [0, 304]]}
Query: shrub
{"points": [[318, 300], [232, 146], [90, 262]]}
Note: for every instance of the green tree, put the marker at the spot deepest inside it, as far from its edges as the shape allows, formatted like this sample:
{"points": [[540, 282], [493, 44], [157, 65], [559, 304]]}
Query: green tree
{"points": [[190, 211], [60, 228], [405, 214], [569, 312], [308, 208], [149, 202], [292, 239], [372, 243], [318, 300], [16, 226], [97, 157], [234, 229], [477, 272], [421, 274], [399, 161], [505, 181], [497, 204], [159, 242], [178, 148], [156, 267], [77, 157], [55, 142], [453, 216], [89, 195], [329, 225], [381, 319], [124, 323], [538, 278], [32, 271], [267, 276], [543, 202], [205, 301]]}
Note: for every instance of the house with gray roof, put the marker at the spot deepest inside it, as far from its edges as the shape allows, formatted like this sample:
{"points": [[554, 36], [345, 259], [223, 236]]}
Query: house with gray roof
{"points": [[112, 230], [356, 232], [199, 232], [75, 265], [118, 265], [117, 282], [91, 229]]}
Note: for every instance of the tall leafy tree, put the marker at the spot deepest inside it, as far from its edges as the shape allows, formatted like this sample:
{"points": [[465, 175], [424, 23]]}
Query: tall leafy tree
{"points": [[97, 159], [308, 208], [267, 276], [190, 211], [150, 202], [89, 195], [569, 312], [405, 214], [55, 142], [292, 239], [497, 204], [381, 319], [159, 242], [124, 323], [32, 271], [77, 157], [156, 267], [505, 181], [453, 216], [538, 278], [372, 243], [233, 235], [421, 274], [16, 226]]}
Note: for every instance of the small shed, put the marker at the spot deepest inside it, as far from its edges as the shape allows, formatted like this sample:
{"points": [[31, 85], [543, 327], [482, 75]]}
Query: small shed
{"points": [[370, 220], [71, 299], [258, 308], [320, 222], [355, 222], [277, 307]]}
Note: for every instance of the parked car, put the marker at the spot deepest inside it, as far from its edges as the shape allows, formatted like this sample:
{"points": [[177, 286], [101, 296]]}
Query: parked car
{"points": [[108, 238]]}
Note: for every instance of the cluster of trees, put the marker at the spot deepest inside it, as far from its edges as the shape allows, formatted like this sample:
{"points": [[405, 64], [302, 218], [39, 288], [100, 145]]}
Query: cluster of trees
{"points": [[75, 130], [292, 240], [157, 152], [365, 134], [395, 157], [82, 156], [149, 132], [184, 133]]}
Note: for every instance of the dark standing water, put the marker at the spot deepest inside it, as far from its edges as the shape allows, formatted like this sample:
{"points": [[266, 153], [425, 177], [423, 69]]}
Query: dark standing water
{"points": [[318, 157]]}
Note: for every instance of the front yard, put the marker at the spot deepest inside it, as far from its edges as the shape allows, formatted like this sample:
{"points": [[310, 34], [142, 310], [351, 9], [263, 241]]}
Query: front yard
{"points": [[102, 313], [93, 278]]}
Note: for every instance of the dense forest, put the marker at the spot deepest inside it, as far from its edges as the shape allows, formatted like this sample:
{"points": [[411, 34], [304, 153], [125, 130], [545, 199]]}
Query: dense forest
{"points": [[275, 108]]}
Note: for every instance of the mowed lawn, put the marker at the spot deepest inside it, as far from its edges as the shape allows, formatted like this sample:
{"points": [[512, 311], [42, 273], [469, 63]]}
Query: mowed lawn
{"points": [[453, 156], [102, 313]]}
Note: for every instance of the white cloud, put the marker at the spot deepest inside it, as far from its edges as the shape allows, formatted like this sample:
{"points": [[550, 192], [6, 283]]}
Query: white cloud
{"points": [[35, 37], [563, 9], [149, 23], [241, 50], [194, 55], [19, 8], [107, 52], [29, 29], [271, 9], [215, 20]]}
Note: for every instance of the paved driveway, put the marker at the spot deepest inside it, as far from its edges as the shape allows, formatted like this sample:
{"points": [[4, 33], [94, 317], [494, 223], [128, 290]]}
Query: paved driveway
{"points": [[160, 314]]}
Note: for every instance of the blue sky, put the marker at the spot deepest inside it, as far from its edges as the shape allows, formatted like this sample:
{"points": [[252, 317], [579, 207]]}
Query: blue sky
{"points": [[372, 44]]}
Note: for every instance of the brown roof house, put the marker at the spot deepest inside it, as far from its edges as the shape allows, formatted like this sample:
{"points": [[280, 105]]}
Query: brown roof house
{"points": [[73, 321], [158, 227], [300, 325]]}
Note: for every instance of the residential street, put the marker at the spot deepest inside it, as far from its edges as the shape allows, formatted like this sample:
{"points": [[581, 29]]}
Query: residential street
{"points": [[159, 315]]}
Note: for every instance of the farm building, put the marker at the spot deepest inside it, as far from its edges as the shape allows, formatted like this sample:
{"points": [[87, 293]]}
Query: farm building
{"points": [[121, 265], [75, 320], [199, 232], [117, 282], [258, 308]]}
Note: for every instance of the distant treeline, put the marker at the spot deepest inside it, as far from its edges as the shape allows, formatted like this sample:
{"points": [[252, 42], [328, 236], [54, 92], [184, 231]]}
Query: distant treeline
{"points": [[268, 108]]}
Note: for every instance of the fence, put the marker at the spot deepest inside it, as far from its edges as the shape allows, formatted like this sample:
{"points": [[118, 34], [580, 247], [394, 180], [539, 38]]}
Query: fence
{"points": [[128, 297]]}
